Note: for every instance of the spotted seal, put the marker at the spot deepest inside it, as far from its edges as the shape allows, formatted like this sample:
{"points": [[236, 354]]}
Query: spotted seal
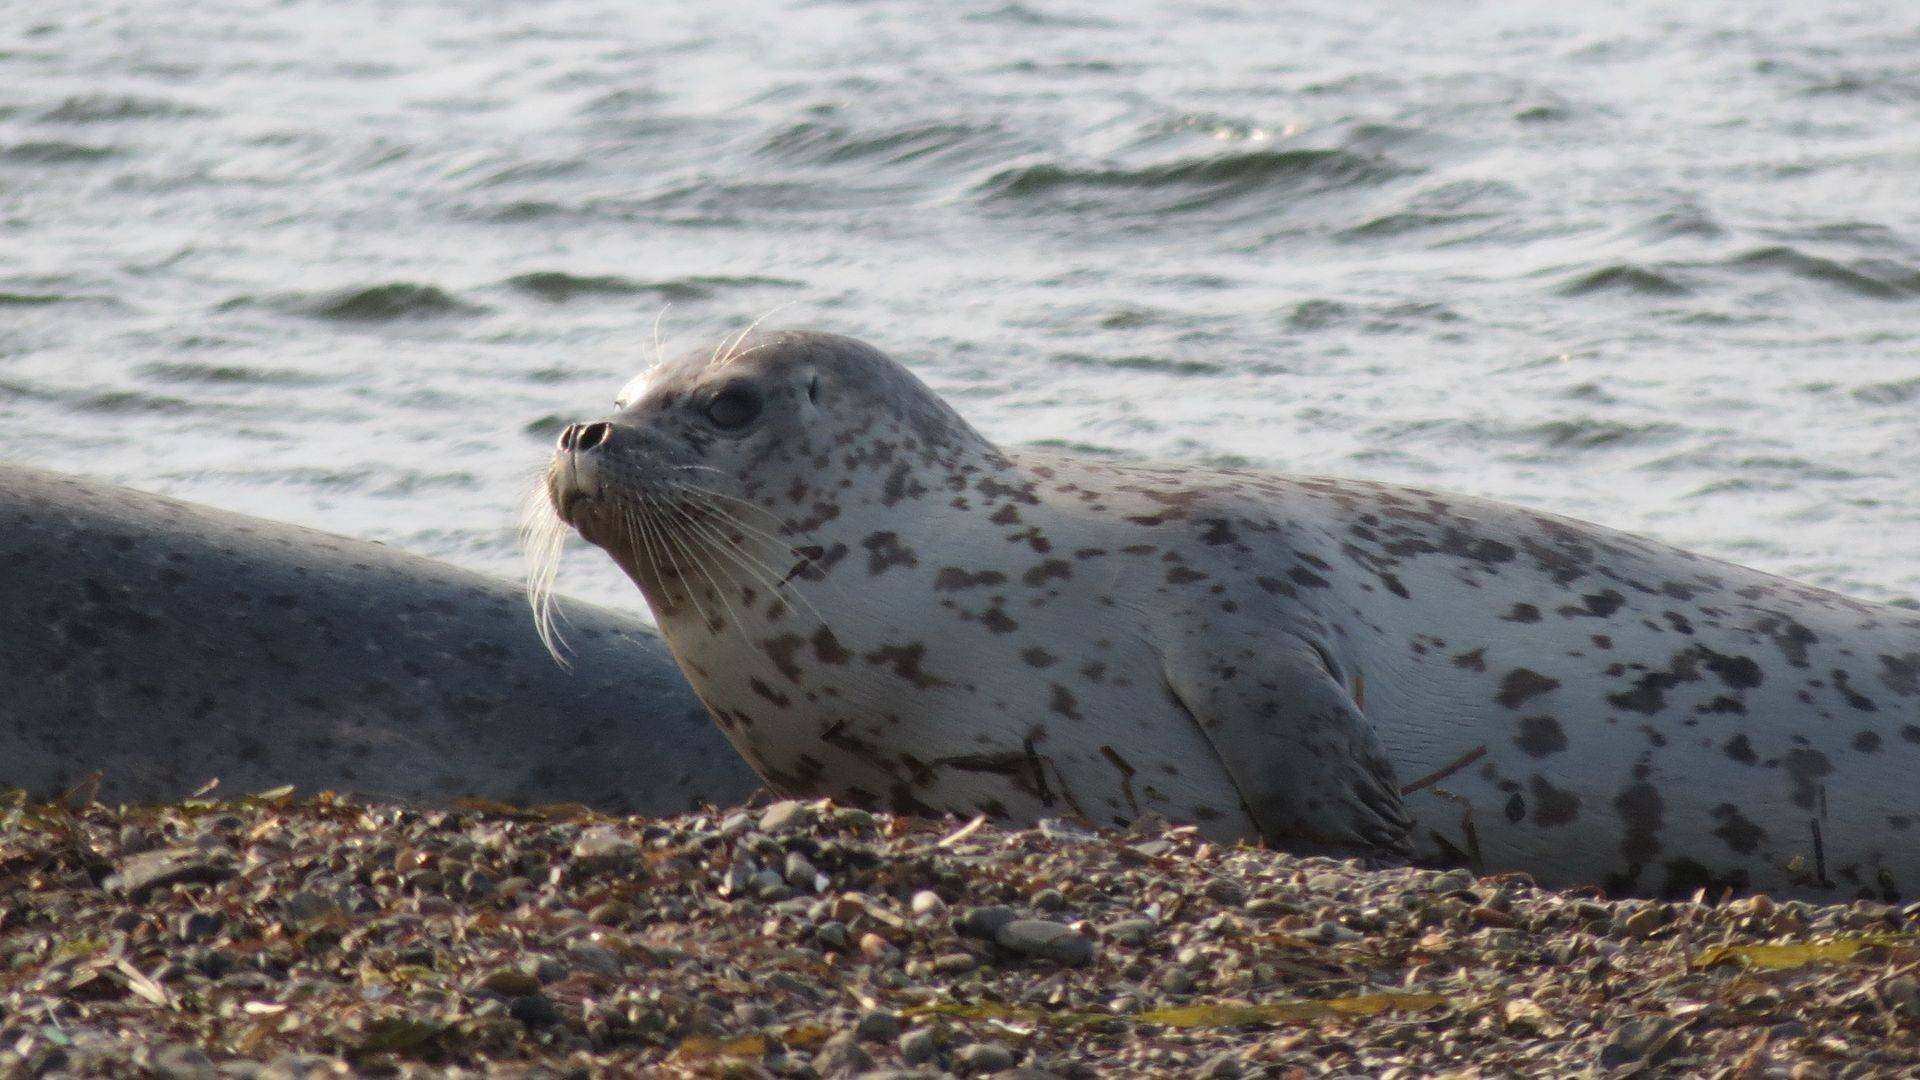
{"points": [[877, 603], [161, 645]]}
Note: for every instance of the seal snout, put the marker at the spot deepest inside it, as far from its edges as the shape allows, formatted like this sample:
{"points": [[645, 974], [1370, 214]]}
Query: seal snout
{"points": [[573, 477], [584, 438]]}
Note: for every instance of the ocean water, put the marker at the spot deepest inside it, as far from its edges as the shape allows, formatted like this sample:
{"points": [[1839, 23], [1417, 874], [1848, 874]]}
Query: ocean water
{"points": [[351, 263]]}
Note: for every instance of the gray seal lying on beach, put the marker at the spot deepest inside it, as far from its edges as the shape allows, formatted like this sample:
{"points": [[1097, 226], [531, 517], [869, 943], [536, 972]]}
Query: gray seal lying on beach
{"points": [[875, 602], [163, 644]]}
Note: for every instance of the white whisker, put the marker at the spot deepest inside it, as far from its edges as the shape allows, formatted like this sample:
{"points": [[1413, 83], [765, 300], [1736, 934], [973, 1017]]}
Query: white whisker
{"points": [[543, 538]]}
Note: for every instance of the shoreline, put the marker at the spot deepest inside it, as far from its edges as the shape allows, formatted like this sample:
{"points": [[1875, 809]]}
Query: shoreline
{"points": [[276, 937]]}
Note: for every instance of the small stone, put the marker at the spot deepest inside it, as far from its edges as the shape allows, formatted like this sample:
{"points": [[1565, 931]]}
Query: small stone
{"points": [[1788, 1029], [1226, 892], [984, 1057], [611, 913], [1902, 995], [534, 1010], [876, 948], [853, 819], [799, 872], [928, 905], [985, 922], [955, 963], [833, 934], [509, 982], [307, 906], [602, 848], [1175, 979], [877, 1025], [544, 968], [138, 875], [1644, 921], [1649, 1040], [786, 814], [197, 926], [1049, 900], [595, 959], [1227, 1066], [179, 1062], [1332, 933], [1045, 939], [841, 1056], [753, 1014], [1133, 931], [919, 1046]]}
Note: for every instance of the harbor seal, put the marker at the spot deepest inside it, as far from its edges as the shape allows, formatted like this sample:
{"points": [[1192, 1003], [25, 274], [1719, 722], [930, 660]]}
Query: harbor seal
{"points": [[160, 645], [877, 603]]}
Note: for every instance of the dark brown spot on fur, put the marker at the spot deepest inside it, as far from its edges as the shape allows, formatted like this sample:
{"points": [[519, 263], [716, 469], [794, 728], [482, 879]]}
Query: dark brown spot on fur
{"points": [[781, 651], [1523, 613], [1063, 702], [1740, 749], [1039, 657], [905, 660], [770, 693], [828, 649], [885, 551], [1541, 736], [1739, 833], [1641, 808], [1806, 767], [954, 579], [1552, 806], [1522, 684], [1046, 571]]}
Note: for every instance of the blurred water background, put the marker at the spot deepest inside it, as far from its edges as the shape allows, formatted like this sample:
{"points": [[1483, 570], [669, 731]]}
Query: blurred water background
{"points": [[351, 263]]}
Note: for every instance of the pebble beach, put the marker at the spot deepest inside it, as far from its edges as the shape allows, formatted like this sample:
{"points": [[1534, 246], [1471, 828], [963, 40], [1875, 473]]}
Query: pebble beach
{"points": [[280, 936]]}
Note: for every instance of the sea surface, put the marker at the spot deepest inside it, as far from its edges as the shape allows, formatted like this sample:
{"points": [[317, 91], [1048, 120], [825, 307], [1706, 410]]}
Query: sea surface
{"points": [[352, 263]]}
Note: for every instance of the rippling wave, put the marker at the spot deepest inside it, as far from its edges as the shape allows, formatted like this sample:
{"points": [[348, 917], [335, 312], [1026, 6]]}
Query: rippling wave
{"points": [[356, 263]]}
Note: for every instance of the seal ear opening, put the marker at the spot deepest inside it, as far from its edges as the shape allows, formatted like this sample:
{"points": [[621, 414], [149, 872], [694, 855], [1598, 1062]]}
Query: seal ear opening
{"points": [[813, 389]]}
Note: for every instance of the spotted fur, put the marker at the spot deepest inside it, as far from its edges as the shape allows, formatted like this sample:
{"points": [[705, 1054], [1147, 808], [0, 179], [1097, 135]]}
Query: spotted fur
{"points": [[1030, 634]]}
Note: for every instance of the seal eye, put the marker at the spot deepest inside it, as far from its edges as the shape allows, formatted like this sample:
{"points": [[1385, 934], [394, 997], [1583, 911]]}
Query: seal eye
{"points": [[733, 408]]}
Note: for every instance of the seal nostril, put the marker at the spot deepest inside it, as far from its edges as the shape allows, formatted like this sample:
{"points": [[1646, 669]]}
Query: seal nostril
{"points": [[567, 436], [592, 436]]}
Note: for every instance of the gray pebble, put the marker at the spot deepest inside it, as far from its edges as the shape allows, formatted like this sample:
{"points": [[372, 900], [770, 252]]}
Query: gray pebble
{"points": [[136, 876], [841, 1056], [196, 926], [603, 848], [598, 960], [877, 1025], [1045, 939], [986, 1057], [799, 872], [985, 922], [1227, 1066], [1650, 1040], [182, 1063], [1133, 931], [534, 1010], [786, 814], [919, 1046]]}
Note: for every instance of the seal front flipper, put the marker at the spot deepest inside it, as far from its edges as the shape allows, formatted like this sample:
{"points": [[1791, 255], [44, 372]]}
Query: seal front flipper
{"points": [[1308, 767]]}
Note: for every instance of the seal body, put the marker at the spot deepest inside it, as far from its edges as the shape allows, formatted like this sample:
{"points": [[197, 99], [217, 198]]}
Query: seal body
{"points": [[162, 645], [877, 603]]}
